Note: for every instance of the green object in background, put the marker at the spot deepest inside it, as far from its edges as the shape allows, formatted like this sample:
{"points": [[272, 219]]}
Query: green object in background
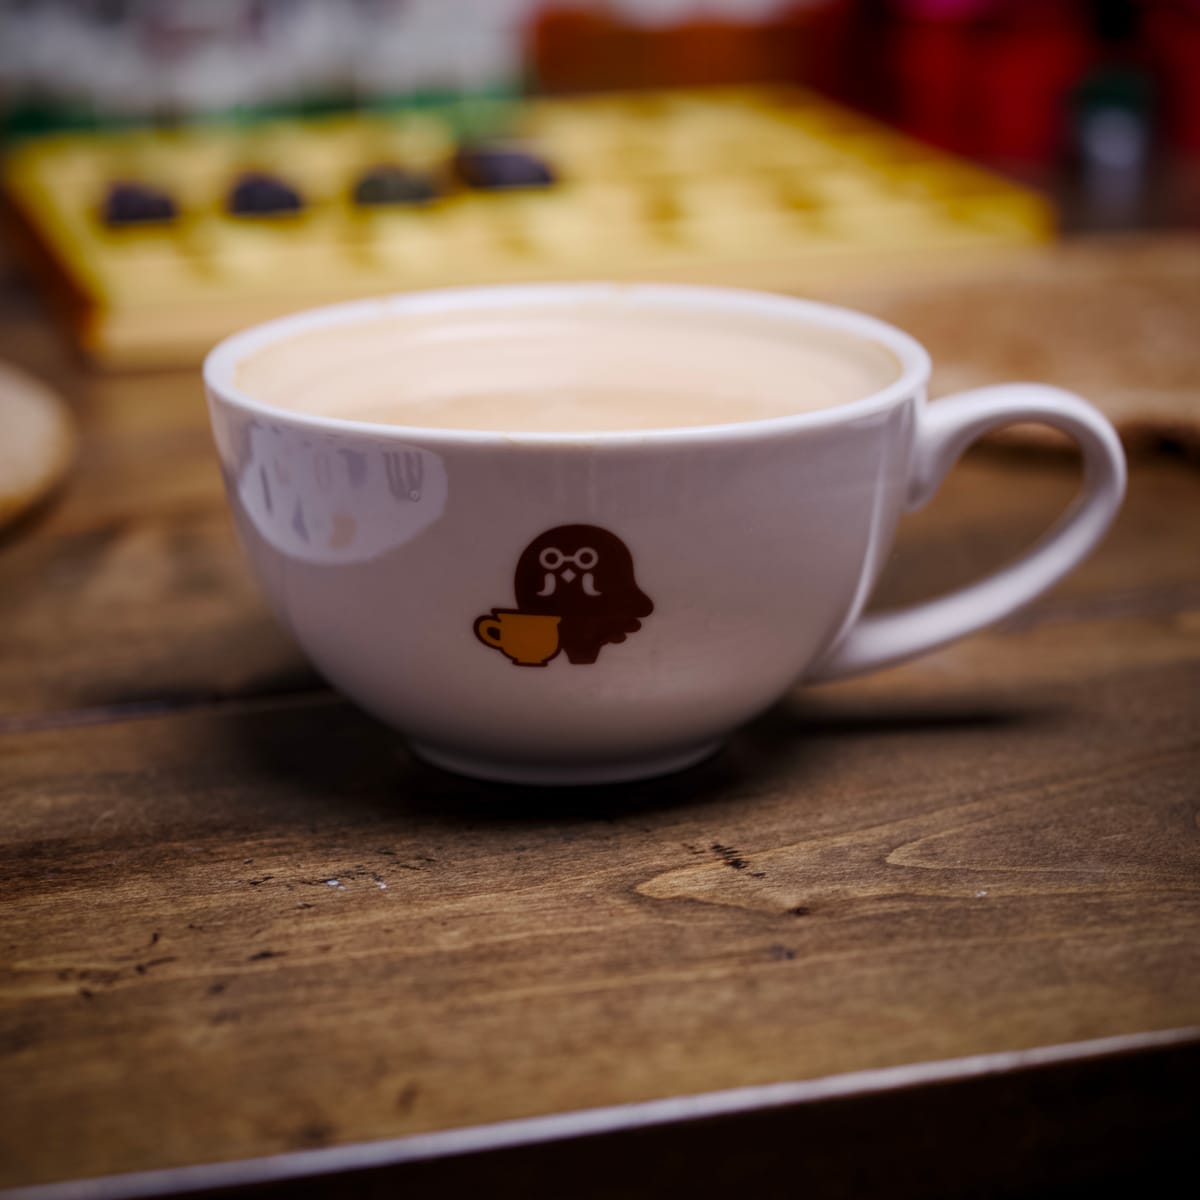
{"points": [[472, 116], [76, 65]]}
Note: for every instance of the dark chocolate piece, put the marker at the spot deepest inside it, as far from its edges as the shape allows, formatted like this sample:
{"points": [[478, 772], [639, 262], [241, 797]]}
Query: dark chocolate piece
{"points": [[259, 195], [495, 168], [138, 204]]}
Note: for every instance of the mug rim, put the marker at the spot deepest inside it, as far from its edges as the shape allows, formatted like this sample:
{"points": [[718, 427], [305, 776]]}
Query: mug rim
{"points": [[222, 361]]}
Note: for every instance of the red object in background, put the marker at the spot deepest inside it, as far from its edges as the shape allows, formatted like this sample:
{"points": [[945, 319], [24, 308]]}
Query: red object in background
{"points": [[990, 79], [1026, 74], [933, 71], [1172, 33], [574, 49], [700, 53]]}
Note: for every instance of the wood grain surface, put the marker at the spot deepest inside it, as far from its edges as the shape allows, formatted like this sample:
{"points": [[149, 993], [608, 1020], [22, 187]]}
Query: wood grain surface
{"points": [[238, 919]]}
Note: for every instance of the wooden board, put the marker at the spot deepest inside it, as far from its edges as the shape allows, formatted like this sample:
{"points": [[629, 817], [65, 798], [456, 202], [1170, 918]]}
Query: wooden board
{"points": [[995, 850], [237, 919]]}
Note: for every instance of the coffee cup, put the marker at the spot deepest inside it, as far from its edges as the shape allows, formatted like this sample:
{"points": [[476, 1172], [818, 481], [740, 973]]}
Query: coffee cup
{"points": [[527, 639], [672, 501]]}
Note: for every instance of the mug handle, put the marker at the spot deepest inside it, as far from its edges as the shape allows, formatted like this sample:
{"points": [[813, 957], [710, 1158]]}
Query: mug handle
{"points": [[483, 631], [944, 430]]}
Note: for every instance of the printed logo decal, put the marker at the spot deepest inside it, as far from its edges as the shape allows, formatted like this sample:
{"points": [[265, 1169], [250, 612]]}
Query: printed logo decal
{"points": [[576, 593]]}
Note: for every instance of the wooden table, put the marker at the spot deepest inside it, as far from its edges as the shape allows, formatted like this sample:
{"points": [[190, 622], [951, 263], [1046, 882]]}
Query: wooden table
{"points": [[932, 932]]}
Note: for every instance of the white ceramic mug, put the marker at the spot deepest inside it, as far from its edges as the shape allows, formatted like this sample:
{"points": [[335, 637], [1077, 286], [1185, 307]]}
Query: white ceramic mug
{"points": [[712, 567]]}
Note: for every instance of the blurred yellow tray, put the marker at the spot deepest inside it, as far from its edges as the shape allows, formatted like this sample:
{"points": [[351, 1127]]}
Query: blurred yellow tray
{"points": [[755, 187]]}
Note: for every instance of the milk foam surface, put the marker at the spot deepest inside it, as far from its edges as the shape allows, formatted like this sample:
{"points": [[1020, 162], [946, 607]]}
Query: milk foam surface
{"points": [[591, 367]]}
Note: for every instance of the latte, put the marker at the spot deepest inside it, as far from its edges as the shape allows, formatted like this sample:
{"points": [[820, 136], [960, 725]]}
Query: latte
{"points": [[595, 367]]}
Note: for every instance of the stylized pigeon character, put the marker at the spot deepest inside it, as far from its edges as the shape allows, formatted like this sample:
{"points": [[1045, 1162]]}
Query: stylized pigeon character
{"points": [[583, 574]]}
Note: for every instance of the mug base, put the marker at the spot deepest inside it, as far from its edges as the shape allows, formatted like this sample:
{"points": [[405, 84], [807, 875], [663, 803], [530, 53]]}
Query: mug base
{"points": [[624, 770]]}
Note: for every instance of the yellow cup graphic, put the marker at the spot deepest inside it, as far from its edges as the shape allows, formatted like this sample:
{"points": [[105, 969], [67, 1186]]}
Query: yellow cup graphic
{"points": [[528, 639]]}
